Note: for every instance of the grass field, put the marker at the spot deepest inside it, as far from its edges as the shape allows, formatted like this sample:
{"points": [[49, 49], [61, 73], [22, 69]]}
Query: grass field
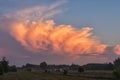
{"points": [[25, 75]]}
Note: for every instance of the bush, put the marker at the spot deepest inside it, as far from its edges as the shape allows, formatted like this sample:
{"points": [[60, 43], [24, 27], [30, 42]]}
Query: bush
{"points": [[29, 69], [46, 70], [80, 69], [13, 69], [65, 72], [116, 72], [1, 70]]}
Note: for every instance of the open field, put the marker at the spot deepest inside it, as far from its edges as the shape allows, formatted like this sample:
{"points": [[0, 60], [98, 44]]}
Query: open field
{"points": [[35, 75]]}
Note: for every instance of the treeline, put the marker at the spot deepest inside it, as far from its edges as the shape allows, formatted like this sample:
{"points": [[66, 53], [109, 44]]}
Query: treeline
{"points": [[90, 66], [115, 66], [4, 67], [58, 68], [99, 66]]}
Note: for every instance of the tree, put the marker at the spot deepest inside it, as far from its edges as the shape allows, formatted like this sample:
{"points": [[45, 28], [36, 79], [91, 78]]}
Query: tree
{"points": [[43, 65], [1, 69], [80, 69], [4, 64], [74, 66], [117, 63], [116, 71]]}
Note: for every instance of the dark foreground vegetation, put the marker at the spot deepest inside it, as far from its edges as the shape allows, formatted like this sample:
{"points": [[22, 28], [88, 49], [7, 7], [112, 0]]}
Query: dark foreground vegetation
{"points": [[5, 68], [37, 75], [43, 71]]}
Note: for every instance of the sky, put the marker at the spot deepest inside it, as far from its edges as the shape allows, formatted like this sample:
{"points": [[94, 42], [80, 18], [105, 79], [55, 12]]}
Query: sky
{"points": [[59, 31]]}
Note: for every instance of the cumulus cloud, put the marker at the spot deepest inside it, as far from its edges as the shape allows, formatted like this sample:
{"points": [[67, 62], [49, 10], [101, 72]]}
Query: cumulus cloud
{"points": [[45, 36], [117, 49], [34, 29]]}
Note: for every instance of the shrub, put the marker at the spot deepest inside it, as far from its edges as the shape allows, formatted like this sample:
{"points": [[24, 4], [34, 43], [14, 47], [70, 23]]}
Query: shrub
{"points": [[80, 69], [116, 72], [13, 68], [29, 69], [1, 70], [65, 72], [46, 70]]}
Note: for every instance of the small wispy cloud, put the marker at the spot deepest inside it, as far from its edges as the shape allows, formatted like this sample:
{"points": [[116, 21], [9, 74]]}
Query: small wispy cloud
{"points": [[36, 13]]}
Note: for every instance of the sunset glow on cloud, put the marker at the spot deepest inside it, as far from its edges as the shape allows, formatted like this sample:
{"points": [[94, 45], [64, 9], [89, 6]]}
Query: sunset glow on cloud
{"points": [[39, 36], [43, 35], [117, 49]]}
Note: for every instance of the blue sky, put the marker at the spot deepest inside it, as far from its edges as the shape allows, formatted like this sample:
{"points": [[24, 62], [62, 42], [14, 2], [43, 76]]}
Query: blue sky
{"points": [[102, 15]]}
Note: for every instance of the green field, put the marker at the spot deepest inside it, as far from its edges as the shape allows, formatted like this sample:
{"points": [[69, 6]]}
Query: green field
{"points": [[35, 75]]}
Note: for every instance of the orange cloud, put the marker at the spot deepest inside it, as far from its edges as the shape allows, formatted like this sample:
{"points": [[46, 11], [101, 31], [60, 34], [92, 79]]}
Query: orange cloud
{"points": [[62, 39], [117, 49], [37, 33]]}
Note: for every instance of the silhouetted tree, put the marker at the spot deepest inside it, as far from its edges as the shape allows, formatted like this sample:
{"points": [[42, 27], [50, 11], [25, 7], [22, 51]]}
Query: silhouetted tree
{"points": [[117, 63], [74, 66], [116, 71], [1, 69], [80, 69], [4, 64], [43, 65]]}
